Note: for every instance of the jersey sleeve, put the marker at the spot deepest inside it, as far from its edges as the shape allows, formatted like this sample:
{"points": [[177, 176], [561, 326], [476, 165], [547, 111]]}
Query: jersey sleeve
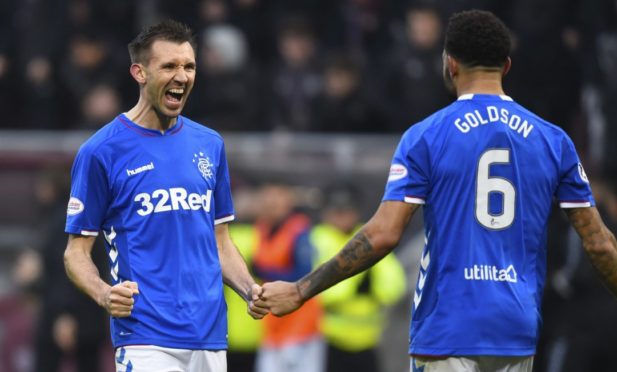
{"points": [[90, 192], [223, 204], [573, 190], [409, 176]]}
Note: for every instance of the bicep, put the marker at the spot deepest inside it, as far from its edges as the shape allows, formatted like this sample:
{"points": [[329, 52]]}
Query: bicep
{"points": [[590, 227], [387, 225], [80, 243], [223, 239], [584, 220]]}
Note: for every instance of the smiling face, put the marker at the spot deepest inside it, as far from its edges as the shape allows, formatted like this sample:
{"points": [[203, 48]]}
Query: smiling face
{"points": [[168, 76]]}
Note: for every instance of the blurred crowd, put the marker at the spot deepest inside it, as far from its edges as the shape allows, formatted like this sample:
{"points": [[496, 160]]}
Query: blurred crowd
{"points": [[306, 65]]}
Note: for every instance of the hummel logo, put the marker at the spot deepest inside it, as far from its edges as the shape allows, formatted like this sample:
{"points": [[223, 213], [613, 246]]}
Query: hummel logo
{"points": [[143, 168]]}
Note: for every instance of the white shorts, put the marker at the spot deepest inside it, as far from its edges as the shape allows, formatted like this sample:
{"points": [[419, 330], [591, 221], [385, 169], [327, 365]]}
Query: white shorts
{"points": [[149, 358], [308, 356], [472, 364]]}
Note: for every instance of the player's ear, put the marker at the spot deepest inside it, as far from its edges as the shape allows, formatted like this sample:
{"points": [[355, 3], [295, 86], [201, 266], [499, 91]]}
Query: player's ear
{"points": [[507, 66], [138, 73], [452, 66]]}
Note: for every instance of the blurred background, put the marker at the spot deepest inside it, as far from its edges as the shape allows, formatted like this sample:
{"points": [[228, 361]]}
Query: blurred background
{"points": [[308, 94]]}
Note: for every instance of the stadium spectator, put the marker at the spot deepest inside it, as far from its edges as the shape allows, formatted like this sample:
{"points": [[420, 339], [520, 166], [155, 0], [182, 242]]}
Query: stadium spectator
{"points": [[573, 342], [355, 27], [69, 323], [354, 310], [412, 78], [253, 18], [245, 334], [226, 94], [344, 105], [600, 63], [90, 66], [284, 252], [18, 311], [99, 105], [551, 44], [295, 80], [41, 91]]}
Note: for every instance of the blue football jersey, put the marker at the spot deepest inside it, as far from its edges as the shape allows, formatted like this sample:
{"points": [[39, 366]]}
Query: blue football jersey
{"points": [[157, 198], [486, 171]]}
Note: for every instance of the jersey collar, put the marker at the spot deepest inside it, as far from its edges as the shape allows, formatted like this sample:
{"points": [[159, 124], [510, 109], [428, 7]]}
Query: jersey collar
{"points": [[470, 96], [151, 132]]}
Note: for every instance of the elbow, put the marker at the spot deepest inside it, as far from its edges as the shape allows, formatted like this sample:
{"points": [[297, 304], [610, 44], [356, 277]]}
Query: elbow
{"points": [[601, 248], [388, 241], [67, 259], [383, 240], [598, 250]]}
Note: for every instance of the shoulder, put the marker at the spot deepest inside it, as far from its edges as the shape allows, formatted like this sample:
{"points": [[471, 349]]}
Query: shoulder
{"points": [[109, 133], [553, 132], [201, 130], [430, 125]]}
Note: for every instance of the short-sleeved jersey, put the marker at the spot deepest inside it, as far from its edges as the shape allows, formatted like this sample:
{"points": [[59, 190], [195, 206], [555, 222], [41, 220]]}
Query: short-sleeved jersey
{"points": [[487, 171], [157, 197]]}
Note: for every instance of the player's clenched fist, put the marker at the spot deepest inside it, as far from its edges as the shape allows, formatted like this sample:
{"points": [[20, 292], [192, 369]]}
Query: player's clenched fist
{"points": [[280, 298], [119, 299], [257, 312]]}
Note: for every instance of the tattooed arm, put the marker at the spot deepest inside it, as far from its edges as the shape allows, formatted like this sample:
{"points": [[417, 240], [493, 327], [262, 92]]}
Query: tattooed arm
{"points": [[598, 242], [376, 239]]}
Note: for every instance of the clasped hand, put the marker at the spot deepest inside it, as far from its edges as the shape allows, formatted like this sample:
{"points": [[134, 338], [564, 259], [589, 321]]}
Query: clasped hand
{"points": [[279, 298]]}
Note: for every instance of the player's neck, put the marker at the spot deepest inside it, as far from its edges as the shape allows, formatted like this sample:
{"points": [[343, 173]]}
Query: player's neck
{"points": [[479, 82], [144, 115]]}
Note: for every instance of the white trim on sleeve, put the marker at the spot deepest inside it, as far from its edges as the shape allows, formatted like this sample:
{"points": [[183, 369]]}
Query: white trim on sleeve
{"points": [[574, 204], [89, 233], [225, 219], [413, 200]]}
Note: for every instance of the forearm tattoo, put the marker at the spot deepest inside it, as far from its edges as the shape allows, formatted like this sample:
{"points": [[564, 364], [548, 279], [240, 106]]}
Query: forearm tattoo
{"points": [[356, 256], [598, 241]]}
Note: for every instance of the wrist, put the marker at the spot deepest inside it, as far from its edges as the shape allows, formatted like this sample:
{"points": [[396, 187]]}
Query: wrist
{"points": [[247, 291], [299, 292], [101, 294]]}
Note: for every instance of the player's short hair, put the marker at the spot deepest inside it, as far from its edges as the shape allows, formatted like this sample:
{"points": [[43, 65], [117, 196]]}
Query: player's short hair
{"points": [[478, 38], [168, 30]]}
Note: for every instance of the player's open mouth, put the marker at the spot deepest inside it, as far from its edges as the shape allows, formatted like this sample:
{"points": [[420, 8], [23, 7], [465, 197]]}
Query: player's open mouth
{"points": [[174, 95]]}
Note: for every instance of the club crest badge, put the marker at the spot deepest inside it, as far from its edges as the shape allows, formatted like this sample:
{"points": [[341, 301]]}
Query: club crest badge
{"points": [[204, 165], [581, 172]]}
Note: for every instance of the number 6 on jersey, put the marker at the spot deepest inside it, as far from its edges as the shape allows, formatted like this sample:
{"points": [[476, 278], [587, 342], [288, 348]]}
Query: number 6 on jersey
{"points": [[485, 185]]}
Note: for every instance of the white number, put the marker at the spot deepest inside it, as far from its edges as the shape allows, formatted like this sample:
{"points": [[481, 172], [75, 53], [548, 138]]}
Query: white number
{"points": [[144, 198], [164, 197], [486, 185]]}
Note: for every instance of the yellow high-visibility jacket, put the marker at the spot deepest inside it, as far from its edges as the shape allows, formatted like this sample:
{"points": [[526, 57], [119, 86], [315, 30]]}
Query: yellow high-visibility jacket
{"points": [[354, 308], [244, 332]]}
